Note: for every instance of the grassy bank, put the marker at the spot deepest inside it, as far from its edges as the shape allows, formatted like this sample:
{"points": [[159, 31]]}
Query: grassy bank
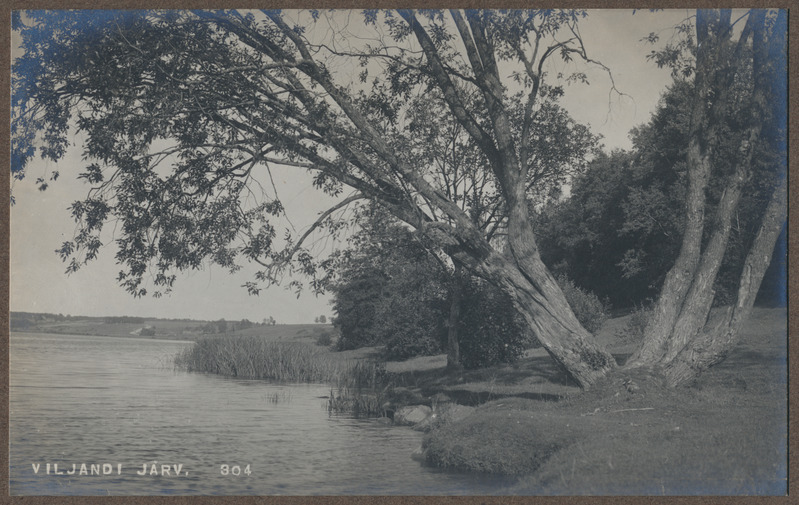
{"points": [[725, 434]]}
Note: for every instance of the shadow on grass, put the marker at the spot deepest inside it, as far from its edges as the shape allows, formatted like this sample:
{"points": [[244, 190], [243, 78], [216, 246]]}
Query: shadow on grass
{"points": [[749, 357], [475, 398], [533, 378]]}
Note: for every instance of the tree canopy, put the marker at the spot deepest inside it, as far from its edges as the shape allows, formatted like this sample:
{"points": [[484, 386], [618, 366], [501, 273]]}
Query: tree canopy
{"points": [[184, 111]]}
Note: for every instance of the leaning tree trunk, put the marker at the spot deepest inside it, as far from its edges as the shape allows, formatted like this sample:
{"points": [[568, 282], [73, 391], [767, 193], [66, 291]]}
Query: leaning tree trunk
{"points": [[540, 301], [547, 312], [524, 277]]}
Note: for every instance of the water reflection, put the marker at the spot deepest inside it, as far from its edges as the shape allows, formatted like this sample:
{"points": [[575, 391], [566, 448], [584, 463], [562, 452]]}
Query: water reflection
{"points": [[95, 400]]}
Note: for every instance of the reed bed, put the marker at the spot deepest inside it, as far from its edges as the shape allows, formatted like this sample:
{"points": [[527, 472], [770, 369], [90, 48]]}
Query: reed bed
{"points": [[357, 387], [359, 403], [255, 357], [361, 390]]}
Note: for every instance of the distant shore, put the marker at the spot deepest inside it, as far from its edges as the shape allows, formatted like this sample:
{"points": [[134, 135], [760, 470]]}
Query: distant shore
{"points": [[163, 329]]}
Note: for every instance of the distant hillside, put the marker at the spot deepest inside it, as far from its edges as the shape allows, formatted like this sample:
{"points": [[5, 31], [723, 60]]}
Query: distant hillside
{"points": [[178, 329]]}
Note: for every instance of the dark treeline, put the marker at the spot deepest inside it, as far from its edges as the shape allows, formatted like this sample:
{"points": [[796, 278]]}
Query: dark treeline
{"points": [[618, 233]]}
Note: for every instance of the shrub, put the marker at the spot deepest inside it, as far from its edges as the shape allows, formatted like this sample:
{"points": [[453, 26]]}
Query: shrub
{"points": [[490, 330], [396, 302], [411, 321], [413, 341], [633, 330], [356, 302], [588, 308], [325, 338], [147, 331]]}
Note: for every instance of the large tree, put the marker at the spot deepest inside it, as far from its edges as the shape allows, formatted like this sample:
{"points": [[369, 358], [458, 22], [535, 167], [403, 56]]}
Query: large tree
{"points": [[676, 338], [184, 112]]}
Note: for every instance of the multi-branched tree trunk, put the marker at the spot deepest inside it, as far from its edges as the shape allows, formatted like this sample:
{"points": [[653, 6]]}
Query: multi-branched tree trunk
{"points": [[676, 341], [677, 338]]}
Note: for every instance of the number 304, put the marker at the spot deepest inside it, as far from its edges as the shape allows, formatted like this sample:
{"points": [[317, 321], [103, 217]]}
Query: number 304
{"points": [[235, 470]]}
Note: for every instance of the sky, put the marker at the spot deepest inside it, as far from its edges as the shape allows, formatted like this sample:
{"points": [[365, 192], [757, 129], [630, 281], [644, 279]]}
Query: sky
{"points": [[40, 221]]}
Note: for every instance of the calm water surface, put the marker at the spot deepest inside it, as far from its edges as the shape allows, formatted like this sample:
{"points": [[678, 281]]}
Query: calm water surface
{"points": [[118, 401]]}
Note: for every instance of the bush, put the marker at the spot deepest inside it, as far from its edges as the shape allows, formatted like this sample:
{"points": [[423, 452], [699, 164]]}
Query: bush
{"points": [[410, 342], [633, 330], [325, 338], [356, 301], [588, 308], [393, 297], [490, 331], [147, 331]]}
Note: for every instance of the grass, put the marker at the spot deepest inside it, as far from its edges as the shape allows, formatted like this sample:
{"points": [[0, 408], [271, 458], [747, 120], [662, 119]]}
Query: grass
{"points": [[360, 390], [495, 440], [325, 338], [681, 444], [725, 434], [359, 403]]}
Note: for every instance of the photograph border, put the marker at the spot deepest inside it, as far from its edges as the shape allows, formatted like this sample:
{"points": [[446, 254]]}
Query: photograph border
{"points": [[793, 298]]}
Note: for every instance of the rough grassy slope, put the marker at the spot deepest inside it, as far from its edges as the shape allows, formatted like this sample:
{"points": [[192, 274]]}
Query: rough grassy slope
{"points": [[726, 434]]}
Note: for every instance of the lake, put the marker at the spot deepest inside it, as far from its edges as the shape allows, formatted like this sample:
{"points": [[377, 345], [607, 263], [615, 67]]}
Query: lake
{"points": [[117, 419]]}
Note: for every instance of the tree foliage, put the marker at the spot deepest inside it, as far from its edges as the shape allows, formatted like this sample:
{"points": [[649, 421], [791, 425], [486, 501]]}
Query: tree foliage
{"points": [[390, 291], [490, 329], [184, 111], [617, 233]]}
